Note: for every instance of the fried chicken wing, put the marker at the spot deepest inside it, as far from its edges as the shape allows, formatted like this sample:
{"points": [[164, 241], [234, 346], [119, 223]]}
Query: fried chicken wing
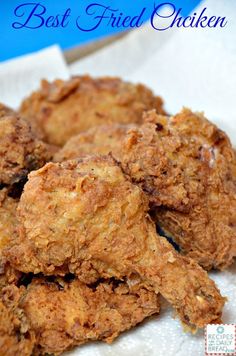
{"points": [[187, 168], [62, 109], [87, 218], [20, 150]]}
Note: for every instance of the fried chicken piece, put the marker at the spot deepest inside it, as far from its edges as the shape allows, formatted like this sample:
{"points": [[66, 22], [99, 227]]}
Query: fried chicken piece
{"points": [[102, 139], [207, 232], [87, 218], [20, 150], [15, 336], [64, 314], [62, 109], [187, 167], [8, 223], [145, 155], [52, 316]]}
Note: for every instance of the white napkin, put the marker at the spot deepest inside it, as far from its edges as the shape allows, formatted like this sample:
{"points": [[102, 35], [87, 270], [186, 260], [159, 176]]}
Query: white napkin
{"points": [[123, 57], [20, 76], [197, 68], [191, 67]]}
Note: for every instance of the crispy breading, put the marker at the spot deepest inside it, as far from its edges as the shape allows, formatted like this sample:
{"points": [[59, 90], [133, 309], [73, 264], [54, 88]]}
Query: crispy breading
{"points": [[15, 336], [102, 139], [187, 168], [207, 232], [8, 223], [62, 109], [63, 314], [8, 220], [145, 154], [87, 218], [20, 150], [52, 316]]}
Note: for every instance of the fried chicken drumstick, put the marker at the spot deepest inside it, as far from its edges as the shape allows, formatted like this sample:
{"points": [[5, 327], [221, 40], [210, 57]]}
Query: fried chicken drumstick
{"points": [[62, 109], [187, 168], [87, 218], [58, 314]]}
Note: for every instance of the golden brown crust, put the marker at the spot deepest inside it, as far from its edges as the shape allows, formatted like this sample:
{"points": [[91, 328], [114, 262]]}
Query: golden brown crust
{"points": [[63, 314], [8, 219], [87, 218], [49, 317], [103, 139], [15, 336], [20, 150], [62, 109], [8, 223], [187, 168]]}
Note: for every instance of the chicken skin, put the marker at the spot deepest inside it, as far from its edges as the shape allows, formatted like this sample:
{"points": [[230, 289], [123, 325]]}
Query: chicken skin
{"points": [[187, 167], [62, 109], [87, 218], [20, 149]]}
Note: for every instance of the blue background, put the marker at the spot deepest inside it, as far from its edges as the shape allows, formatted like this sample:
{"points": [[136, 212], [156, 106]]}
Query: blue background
{"points": [[18, 42]]}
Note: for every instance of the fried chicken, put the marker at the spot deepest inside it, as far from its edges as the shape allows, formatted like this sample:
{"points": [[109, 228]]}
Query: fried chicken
{"points": [[15, 336], [8, 223], [102, 139], [20, 150], [207, 231], [187, 168], [65, 314], [49, 317], [62, 109], [87, 218]]}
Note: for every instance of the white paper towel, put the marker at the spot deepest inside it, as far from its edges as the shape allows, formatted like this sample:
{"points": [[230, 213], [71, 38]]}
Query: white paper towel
{"points": [[192, 68], [197, 68], [124, 57], [20, 76]]}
